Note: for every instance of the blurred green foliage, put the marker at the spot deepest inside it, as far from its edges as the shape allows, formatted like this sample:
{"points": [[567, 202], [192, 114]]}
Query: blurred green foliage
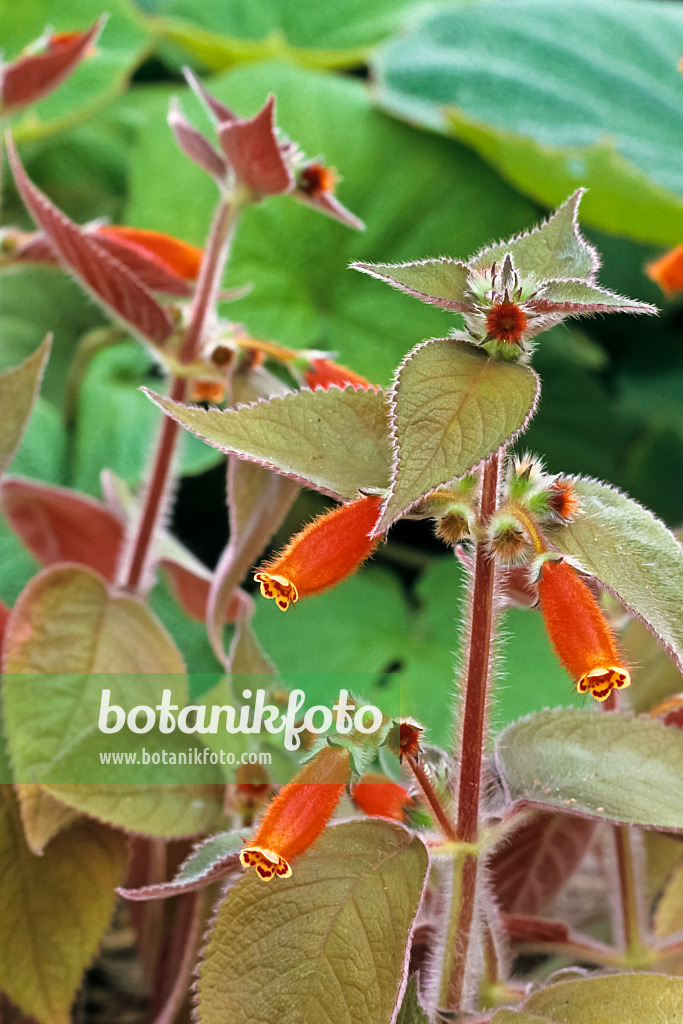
{"points": [[541, 97]]}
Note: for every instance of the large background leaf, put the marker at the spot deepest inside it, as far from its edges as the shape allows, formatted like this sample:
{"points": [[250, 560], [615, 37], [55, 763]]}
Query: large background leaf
{"points": [[557, 95]]}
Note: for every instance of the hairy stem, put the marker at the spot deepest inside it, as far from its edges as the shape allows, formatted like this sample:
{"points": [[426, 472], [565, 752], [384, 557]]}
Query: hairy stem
{"points": [[432, 799], [137, 556], [636, 949], [472, 747]]}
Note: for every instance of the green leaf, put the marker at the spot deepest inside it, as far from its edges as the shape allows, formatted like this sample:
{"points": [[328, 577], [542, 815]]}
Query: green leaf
{"points": [[453, 406], [122, 46], [411, 1012], [210, 860], [633, 554], [614, 999], [669, 913], [335, 441], [66, 640], [220, 33], [395, 178], [608, 766], [18, 391], [47, 942], [443, 279], [117, 427], [581, 296], [554, 249], [556, 96], [333, 936]]}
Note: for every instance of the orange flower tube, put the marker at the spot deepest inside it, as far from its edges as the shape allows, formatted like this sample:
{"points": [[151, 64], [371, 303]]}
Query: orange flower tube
{"points": [[180, 257], [298, 814], [381, 798], [323, 373], [667, 272], [325, 552], [579, 632]]}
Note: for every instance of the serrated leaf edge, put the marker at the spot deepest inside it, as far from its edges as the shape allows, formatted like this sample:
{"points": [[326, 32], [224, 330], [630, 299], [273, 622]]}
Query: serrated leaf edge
{"points": [[375, 270], [382, 526]]}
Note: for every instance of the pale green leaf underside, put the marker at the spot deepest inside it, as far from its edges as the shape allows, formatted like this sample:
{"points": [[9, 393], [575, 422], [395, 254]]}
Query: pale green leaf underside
{"points": [[581, 294], [325, 945], [554, 249], [435, 279], [612, 767], [411, 1011], [208, 854], [454, 406], [18, 390], [556, 96], [335, 441], [614, 999], [625, 547]]}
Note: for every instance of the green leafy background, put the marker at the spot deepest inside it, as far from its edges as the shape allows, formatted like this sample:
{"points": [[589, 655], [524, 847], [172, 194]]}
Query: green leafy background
{"points": [[452, 127]]}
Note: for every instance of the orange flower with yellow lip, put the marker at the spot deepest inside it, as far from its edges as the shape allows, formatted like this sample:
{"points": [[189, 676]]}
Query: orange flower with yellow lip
{"points": [[298, 814], [325, 552], [582, 637]]}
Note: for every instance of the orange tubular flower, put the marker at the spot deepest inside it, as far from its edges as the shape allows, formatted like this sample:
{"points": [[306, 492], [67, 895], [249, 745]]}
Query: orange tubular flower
{"points": [[298, 814], [322, 373], [325, 552], [668, 272], [180, 257], [579, 632], [379, 797]]}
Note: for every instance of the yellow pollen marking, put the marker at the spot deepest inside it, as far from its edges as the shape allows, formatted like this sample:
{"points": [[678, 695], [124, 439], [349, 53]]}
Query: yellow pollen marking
{"points": [[279, 588], [601, 681], [267, 863]]}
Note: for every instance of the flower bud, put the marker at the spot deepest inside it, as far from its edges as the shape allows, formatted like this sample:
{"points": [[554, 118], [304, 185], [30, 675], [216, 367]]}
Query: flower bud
{"points": [[507, 540], [323, 373], [325, 552], [582, 637], [298, 814]]}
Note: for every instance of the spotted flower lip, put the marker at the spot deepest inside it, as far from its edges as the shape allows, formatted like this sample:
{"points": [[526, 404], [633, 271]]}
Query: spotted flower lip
{"points": [[325, 552], [298, 814]]}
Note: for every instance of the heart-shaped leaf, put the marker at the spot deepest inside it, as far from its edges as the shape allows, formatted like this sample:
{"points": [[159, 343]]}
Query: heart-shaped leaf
{"points": [[607, 766], [614, 999], [333, 936], [66, 640], [19, 388], [633, 554], [452, 407], [335, 441]]}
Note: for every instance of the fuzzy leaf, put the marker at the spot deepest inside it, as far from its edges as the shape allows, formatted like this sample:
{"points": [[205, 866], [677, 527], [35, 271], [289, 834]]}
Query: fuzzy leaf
{"points": [[614, 999], [633, 554], [411, 1011], [42, 816], [579, 296], [210, 860], [441, 282], [66, 639], [55, 910], [609, 767], [19, 389], [300, 434], [327, 944], [453, 406], [536, 859], [555, 95], [554, 249]]}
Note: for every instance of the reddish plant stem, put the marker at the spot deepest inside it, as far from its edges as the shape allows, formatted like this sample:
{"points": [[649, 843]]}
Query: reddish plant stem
{"points": [[473, 739], [215, 255], [432, 799]]}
